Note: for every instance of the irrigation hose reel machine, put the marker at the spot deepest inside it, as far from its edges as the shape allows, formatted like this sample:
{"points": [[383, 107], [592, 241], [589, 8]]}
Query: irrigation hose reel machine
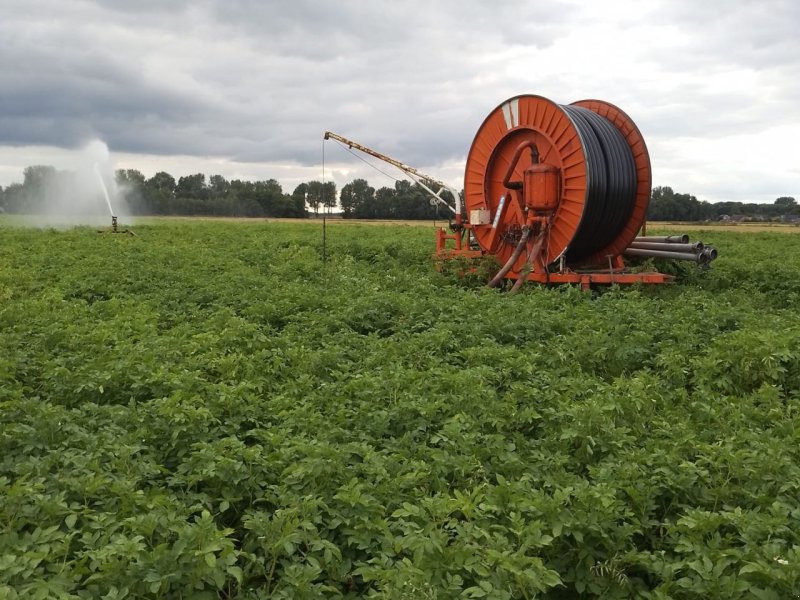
{"points": [[556, 193]]}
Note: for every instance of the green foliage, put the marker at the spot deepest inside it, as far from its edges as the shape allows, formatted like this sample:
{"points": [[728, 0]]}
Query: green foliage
{"points": [[667, 205], [209, 410], [405, 201], [160, 195], [320, 195], [357, 199]]}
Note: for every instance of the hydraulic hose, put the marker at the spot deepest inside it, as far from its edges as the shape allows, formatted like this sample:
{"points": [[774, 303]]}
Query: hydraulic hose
{"points": [[521, 279], [526, 232]]}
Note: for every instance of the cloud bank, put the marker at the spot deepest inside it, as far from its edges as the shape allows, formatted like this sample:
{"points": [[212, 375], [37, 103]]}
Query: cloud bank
{"points": [[245, 88]]}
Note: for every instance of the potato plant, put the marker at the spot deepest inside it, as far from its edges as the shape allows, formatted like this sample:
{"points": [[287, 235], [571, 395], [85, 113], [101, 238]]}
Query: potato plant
{"points": [[209, 410]]}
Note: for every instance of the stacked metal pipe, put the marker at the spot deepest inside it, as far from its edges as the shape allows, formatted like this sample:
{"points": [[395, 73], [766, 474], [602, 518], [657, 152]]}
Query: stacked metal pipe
{"points": [[674, 247]]}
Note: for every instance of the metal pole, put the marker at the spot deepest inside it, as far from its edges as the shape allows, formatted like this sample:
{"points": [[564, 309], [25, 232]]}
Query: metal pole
{"points": [[671, 239], [695, 247], [324, 221], [664, 254]]}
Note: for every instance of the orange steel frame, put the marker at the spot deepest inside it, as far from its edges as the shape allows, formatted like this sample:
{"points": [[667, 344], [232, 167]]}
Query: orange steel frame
{"points": [[615, 274]]}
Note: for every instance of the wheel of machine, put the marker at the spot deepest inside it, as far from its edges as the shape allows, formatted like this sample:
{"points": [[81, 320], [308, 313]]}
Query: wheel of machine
{"points": [[595, 156]]}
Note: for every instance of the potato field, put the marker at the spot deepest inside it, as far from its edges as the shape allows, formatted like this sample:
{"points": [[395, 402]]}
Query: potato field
{"points": [[210, 410]]}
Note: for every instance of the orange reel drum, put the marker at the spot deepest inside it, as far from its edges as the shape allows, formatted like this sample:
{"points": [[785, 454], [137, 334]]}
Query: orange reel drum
{"points": [[584, 165]]}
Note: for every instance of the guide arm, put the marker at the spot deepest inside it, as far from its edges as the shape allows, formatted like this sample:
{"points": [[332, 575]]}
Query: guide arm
{"points": [[425, 181]]}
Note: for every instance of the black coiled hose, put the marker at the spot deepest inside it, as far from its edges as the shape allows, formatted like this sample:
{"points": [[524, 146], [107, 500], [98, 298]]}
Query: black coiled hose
{"points": [[610, 182]]}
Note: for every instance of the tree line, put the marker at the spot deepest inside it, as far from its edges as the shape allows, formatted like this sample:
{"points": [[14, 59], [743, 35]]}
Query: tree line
{"points": [[668, 205], [44, 187], [195, 194]]}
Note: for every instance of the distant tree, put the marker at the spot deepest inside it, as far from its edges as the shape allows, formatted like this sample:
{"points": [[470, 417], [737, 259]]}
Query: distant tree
{"points": [[261, 199], [729, 208], [40, 183], [298, 200], [132, 184], [667, 205], [192, 186], [787, 202], [13, 198], [357, 198], [314, 195], [129, 177], [162, 182], [269, 196], [405, 200], [159, 193], [38, 175], [384, 204], [218, 186], [329, 194], [241, 199], [300, 193], [412, 201], [320, 195]]}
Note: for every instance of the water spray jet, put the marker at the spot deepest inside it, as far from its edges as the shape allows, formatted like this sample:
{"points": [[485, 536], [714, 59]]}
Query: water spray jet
{"points": [[104, 188], [114, 225]]}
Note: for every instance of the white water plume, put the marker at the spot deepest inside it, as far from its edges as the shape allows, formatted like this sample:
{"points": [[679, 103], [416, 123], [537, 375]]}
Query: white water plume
{"points": [[82, 191], [104, 188]]}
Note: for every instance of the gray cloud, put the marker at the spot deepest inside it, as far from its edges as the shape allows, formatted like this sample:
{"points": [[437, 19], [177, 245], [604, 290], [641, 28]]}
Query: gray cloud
{"points": [[738, 32], [270, 74], [259, 82]]}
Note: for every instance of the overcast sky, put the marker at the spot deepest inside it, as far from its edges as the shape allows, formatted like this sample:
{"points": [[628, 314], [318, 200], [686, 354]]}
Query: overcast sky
{"points": [[246, 88]]}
